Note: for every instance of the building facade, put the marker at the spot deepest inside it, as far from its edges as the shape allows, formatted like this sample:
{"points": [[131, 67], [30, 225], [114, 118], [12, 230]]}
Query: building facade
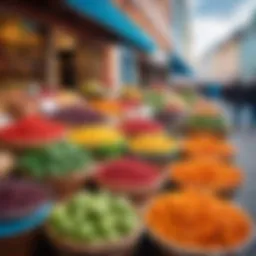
{"points": [[222, 64], [181, 27], [71, 51], [248, 51], [154, 18]]}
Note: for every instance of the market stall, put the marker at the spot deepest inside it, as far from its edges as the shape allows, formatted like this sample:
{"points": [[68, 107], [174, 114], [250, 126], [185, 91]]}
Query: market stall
{"points": [[112, 181]]}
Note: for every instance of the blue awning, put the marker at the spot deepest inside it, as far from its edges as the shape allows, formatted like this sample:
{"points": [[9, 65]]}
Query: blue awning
{"points": [[107, 14], [178, 67]]}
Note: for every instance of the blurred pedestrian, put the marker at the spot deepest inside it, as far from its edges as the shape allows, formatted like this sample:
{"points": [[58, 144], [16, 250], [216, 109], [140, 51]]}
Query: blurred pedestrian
{"points": [[251, 100], [235, 94]]}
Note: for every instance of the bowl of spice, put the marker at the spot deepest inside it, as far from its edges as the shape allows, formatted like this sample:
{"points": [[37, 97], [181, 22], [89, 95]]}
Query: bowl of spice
{"points": [[103, 141], [31, 132], [24, 206], [208, 145], [108, 107], [215, 124], [137, 126], [133, 178], [158, 148], [94, 224], [206, 173], [193, 223], [78, 116], [63, 166]]}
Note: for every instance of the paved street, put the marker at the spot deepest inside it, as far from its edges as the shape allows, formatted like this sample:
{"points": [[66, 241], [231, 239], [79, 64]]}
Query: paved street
{"points": [[246, 144]]}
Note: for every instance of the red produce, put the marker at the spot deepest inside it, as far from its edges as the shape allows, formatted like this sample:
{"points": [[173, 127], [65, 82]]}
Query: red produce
{"points": [[138, 126], [129, 173], [32, 128]]}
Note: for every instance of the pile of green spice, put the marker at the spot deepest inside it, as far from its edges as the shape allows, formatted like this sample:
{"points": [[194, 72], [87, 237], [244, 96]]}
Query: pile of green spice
{"points": [[96, 219], [55, 160]]}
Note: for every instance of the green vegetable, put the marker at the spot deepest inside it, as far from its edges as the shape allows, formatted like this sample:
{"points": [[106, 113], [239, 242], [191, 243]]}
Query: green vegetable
{"points": [[55, 160], [94, 218]]}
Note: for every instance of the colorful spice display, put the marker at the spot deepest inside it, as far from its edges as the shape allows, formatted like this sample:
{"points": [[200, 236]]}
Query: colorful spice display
{"points": [[208, 145], [137, 126], [131, 93], [107, 107], [67, 98], [128, 173], [206, 108], [205, 173], [96, 135], [193, 220], [19, 198], [90, 218], [215, 123], [78, 115], [93, 89], [32, 129], [155, 144], [196, 221], [54, 160], [103, 141]]}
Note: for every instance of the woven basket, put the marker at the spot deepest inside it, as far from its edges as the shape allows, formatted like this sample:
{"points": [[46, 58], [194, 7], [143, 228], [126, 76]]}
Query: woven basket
{"points": [[66, 247]]}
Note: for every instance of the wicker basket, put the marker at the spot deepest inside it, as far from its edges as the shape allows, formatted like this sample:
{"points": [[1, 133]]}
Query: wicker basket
{"points": [[170, 248], [140, 195], [66, 247], [66, 186]]}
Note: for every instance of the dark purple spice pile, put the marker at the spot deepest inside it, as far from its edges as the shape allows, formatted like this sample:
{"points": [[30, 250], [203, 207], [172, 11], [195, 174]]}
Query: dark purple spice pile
{"points": [[20, 198], [78, 115], [167, 117]]}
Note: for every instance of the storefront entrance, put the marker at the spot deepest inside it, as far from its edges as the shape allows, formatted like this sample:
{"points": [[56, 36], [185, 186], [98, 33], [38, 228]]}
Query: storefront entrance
{"points": [[66, 60]]}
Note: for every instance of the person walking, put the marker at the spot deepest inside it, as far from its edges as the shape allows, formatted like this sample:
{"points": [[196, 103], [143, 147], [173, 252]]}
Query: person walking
{"points": [[235, 93], [251, 101]]}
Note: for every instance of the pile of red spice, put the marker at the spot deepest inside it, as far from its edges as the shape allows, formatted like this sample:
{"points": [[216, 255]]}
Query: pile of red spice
{"points": [[32, 128], [130, 104], [137, 126], [128, 172]]}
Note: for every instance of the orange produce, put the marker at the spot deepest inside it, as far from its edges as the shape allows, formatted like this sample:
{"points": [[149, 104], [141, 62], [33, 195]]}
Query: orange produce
{"points": [[205, 173], [108, 107], [208, 145], [195, 221]]}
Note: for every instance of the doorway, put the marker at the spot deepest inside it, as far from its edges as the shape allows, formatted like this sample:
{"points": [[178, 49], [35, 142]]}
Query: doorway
{"points": [[67, 69]]}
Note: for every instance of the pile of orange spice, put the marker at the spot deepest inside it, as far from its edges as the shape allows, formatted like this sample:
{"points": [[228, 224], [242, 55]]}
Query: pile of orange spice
{"points": [[198, 221], [205, 173], [108, 107], [207, 145]]}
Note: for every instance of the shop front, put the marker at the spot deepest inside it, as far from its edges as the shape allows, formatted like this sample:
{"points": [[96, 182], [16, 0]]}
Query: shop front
{"points": [[22, 51], [67, 42]]}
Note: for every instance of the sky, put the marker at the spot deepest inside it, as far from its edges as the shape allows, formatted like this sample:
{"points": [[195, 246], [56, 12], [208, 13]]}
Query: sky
{"points": [[213, 20]]}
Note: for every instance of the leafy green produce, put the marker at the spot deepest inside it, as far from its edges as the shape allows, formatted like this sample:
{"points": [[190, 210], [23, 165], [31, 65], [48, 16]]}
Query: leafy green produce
{"points": [[55, 160], [94, 218]]}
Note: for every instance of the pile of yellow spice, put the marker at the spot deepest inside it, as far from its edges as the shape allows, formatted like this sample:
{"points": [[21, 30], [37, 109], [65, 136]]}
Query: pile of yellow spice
{"points": [[156, 144]]}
